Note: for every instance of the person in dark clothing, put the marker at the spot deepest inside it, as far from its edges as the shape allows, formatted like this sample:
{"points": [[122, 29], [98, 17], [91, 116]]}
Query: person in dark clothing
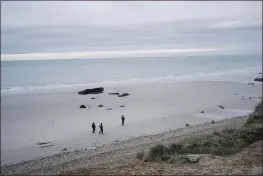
{"points": [[93, 127], [122, 119], [101, 129]]}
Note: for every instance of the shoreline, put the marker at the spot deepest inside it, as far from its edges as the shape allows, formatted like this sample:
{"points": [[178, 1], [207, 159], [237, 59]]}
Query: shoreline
{"points": [[117, 153]]}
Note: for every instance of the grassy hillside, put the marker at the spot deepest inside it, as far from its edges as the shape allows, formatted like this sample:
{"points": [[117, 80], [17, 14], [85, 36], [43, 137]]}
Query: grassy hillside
{"points": [[226, 142]]}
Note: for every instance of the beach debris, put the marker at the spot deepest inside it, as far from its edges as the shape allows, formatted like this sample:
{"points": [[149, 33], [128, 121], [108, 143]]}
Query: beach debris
{"points": [[248, 83], [202, 112], [43, 143], [100, 106], [258, 79], [187, 125], [86, 149], [213, 122], [64, 149], [44, 146], [92, 98], [249, 97], [82, 106], [122, 106], [109, 109], [91, 91], [123, 95], [114, 93]]}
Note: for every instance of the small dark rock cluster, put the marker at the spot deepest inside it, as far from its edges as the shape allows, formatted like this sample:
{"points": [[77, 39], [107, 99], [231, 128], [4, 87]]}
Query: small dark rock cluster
{"points": [[258, 79], [222, 107]]}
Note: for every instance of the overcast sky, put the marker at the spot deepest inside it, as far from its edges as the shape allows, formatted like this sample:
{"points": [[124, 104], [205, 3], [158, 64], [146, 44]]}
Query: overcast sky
{"points": [[50, 30]]}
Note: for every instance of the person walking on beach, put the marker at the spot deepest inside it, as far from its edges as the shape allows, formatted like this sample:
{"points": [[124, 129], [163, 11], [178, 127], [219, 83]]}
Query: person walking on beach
{"points": [[101, 129], [122, 120], [93, 127]]}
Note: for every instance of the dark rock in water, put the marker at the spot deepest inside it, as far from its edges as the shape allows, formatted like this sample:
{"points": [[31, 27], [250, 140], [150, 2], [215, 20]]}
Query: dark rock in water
{"points": [[123, 95], [252, 83], [91, 91], [249, 97], [64, 149], [82, 106], [100, 106], [258, 79], [213, 122], [202, 111], [187, 125], [109, 109], [122, 106], [114, 93], [92, 98]]}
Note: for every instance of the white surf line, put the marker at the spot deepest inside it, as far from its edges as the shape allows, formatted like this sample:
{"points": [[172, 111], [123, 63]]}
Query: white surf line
{"points": [[103, 54]]}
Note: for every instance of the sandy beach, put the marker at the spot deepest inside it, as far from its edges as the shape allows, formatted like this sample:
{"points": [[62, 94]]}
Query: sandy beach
{"points": [[150, 109], [118, 153]]}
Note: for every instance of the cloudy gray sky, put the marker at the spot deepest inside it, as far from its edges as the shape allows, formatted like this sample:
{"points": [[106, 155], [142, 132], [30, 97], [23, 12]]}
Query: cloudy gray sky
{"points": [[82, 29]]}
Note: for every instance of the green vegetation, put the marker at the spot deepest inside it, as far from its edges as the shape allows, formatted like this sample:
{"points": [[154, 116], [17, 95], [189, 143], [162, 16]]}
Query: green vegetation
{"points": [[226, 142], [256, 117]]}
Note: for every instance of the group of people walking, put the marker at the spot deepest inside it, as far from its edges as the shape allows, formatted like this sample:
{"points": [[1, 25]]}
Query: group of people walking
{"points": [[101, 126]]}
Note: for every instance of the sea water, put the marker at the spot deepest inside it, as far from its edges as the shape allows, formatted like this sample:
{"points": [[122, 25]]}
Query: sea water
{"points": [[54, 75]]}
